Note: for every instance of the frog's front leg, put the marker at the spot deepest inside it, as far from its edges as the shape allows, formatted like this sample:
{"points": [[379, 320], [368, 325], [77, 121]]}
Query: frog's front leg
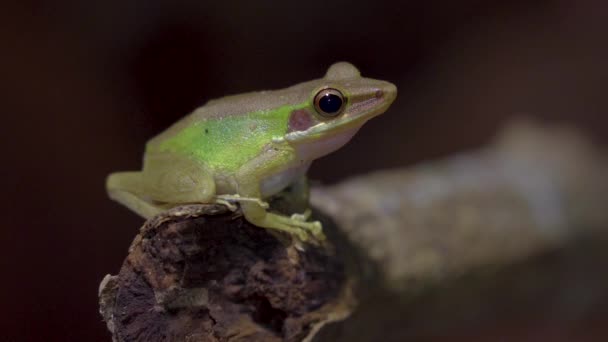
{"points": [[249, 179], [297, 194]]}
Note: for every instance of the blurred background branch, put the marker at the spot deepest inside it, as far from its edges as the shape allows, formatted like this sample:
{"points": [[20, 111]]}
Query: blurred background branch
{"points": [[513, 233]]}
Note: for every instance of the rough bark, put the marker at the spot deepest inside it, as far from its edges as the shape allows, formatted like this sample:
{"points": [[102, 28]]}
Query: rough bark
{"points": [[203, 273]]}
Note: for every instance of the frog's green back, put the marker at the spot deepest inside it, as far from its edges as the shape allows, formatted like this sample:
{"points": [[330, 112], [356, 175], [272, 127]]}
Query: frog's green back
{"points": [[226, 143]]}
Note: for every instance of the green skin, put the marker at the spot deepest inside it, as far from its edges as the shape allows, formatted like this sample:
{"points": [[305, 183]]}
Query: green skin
{"points": [[246, 148]]}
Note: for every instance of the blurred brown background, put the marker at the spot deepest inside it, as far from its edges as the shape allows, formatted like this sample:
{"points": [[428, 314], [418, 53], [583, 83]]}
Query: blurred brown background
{"points": [[85, 84]]}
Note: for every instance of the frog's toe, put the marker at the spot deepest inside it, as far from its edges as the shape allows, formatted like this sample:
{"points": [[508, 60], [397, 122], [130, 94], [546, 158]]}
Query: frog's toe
{"points": [[316, 229], [300, 234], [301, 217], [229, 205]]}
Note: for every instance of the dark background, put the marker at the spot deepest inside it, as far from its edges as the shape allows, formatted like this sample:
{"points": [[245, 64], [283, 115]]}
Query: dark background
{"points": [[85, 84]]}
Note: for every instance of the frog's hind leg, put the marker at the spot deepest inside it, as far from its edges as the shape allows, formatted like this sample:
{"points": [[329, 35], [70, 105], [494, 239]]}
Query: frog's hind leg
{"points": [[126, 189], [175, 179]]}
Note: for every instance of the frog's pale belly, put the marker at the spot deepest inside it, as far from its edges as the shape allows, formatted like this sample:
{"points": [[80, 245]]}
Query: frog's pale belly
{"points": [[276, 183]]}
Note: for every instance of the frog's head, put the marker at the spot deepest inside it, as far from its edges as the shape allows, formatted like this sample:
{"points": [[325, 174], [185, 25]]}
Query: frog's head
{"points": [[338, 105]]}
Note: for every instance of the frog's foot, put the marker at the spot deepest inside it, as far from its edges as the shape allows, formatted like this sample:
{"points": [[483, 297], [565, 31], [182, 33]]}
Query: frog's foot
{"points": [[302, 217], [228, 201], [297, 225]]}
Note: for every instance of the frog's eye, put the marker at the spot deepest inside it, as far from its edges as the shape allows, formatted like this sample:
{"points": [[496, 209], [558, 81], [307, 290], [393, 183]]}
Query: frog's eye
{"points": [[329, 102]]}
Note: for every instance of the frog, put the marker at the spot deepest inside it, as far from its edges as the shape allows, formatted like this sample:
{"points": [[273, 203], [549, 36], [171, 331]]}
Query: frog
{"points": [[240, 150]]}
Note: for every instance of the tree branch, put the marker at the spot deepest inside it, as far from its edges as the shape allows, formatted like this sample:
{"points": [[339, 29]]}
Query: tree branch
{"points": [[201, 273]]}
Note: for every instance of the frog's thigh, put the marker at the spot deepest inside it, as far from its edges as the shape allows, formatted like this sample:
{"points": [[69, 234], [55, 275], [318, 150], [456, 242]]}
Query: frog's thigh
{"points": [[177, 179], [125, 188]]}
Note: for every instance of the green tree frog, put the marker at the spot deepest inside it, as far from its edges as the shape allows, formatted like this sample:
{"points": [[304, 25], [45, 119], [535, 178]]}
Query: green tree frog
{"points": [[245, 148]]}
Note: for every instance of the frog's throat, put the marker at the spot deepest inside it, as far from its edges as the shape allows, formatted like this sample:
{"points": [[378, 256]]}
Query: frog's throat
{"points": [[312, 149]]}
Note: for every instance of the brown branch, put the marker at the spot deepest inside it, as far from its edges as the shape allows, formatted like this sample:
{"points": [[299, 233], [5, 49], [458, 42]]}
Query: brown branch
{"points": [[199, 273]]}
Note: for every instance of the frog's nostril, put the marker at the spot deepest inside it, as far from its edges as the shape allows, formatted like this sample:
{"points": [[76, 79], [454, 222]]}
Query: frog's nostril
{"points": [[379, 94]]}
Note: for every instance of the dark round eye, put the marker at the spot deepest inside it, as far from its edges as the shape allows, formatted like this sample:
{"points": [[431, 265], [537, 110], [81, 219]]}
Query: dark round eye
{"points": [[329, 102]]}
